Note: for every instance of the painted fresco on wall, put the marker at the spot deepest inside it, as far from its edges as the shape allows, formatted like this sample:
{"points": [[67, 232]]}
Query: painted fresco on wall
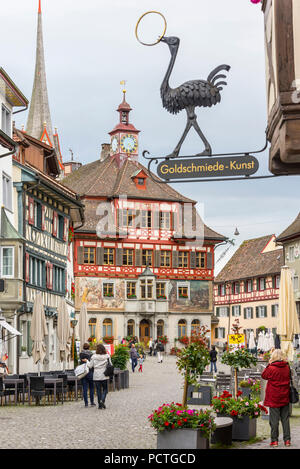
{"points": [[200, 298], [92, 288]]}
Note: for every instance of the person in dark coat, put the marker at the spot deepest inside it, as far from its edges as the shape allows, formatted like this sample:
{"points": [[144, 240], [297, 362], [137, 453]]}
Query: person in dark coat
{"points": [[277, 396], [87, 381], [213, 359], [133, 356]]}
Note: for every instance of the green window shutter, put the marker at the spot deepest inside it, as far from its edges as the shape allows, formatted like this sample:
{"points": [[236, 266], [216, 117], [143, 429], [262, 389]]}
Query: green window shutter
{"points": [[240, 310], [273, 311], [80, 252], [238, 288], [119, 256], [216, 333], [251, 313], [273, 282], [138, 257], [228, 311], [192, 260], [265, 311], [209, 261], [257, 311], [218, 312], [265, 283], [232, 288], [244, 313]]}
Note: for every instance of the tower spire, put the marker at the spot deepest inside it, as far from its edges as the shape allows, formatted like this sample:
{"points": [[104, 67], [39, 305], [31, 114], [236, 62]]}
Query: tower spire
{"points": [[39, 117]]}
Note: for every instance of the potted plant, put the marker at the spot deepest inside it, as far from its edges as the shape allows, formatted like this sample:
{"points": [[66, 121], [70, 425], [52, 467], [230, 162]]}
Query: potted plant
{"points": [[175, 351], [242, 410], [119, 360], [238, 357], [24, 351], [245, 387], [180, 427], [184, 340], [163, 339]]}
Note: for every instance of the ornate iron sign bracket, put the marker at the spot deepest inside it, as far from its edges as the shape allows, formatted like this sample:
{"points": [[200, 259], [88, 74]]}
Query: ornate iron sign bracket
{"points": [[212, 166]]}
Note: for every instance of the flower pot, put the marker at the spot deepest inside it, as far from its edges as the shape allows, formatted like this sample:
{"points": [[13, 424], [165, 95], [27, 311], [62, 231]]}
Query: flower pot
{"points": [[204, 395], [126, 378], [246, 391], [244, 428], [185, 438]]}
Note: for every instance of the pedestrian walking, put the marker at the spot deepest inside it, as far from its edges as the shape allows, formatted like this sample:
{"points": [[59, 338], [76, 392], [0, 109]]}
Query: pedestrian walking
{"points": [[277, 396], [213, 359], [140, 362], [155, 348], [87, 382], [151, 343], [133, 357], [99, 362], [160, 348]]}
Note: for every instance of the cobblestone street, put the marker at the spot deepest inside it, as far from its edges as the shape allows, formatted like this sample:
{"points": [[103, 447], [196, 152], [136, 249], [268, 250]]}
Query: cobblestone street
{"points": [[123, 425]]}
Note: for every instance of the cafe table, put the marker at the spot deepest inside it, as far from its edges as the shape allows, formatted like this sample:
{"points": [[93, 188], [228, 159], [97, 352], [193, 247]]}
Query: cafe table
{"points": [[55, 381], [74, 379], [15, 382]]}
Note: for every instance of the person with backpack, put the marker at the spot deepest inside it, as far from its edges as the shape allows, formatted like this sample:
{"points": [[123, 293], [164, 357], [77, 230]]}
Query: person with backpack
{"points": [[87, 382], [160, 348], [99, 362], [213, 359]]}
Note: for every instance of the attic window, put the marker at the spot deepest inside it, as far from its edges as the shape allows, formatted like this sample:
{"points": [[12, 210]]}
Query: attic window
{"points": [[141, 181]]}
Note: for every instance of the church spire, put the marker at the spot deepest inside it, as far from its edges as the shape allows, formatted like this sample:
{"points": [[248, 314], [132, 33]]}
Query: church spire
{"points": [[39, 117]]}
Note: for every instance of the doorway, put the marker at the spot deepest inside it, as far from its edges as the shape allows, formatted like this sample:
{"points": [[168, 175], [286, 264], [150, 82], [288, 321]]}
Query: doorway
{"points": [[144, 331]]}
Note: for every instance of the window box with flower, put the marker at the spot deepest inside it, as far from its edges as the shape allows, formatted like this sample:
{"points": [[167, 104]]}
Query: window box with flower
{"points": [[108, 339]]}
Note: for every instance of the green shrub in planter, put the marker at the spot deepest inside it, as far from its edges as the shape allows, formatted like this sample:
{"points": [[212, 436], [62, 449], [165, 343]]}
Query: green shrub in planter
{"points": [[120, 357]]}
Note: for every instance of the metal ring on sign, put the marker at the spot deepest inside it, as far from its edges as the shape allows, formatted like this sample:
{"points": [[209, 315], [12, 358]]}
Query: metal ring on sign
{"points": [[160, 37]]}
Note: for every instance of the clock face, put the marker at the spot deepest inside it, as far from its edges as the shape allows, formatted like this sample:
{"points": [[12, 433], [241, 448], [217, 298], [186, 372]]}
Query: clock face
{"points": [[129, 143], [114, 144]]}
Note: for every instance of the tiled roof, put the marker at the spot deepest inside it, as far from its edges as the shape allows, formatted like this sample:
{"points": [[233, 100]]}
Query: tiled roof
{"points": [[249, 261], [106, 179], [291, 231]]}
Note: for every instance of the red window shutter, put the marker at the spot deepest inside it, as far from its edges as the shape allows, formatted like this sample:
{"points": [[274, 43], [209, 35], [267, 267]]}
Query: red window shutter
{"points": [[30, 211], [43, 217], [26, 267], [66, 228], [54, 223]]}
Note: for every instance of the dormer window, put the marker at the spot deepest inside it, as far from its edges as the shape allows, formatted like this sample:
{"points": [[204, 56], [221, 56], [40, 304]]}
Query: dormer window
{"points": [[141, 181]]}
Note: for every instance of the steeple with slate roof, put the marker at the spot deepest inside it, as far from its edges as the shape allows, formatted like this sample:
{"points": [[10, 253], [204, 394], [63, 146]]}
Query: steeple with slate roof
{"points": [[39, 123]]}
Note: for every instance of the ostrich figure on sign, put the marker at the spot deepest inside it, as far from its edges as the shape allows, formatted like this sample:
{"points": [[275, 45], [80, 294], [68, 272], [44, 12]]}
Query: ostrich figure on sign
{"points": [[190, 95]]}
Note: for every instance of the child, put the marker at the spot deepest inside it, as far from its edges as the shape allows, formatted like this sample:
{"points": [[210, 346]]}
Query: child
{"points": [[141, 361]]}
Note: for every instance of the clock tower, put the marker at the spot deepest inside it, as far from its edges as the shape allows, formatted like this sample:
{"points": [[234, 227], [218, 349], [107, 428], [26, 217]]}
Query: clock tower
{"points": [[124, 137]]}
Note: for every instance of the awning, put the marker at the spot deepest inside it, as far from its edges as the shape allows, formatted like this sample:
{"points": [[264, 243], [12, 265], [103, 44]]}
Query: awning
{"points": [[7, 326]]}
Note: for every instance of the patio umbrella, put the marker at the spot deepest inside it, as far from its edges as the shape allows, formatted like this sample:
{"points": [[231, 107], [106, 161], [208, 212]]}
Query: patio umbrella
{"points": [[288, 323], [38, 330], [260, 340], [83, 325], [266, 342], [252, 343], [64, 333], [272, 341]]}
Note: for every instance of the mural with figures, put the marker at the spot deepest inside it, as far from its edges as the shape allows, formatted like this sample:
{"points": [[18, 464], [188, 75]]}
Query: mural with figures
{"points": [[93, 288], [199, 296]]}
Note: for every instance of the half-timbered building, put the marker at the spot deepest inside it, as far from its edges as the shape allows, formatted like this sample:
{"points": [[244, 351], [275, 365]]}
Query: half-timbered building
{"points": [[247, 289], [137, 264]]}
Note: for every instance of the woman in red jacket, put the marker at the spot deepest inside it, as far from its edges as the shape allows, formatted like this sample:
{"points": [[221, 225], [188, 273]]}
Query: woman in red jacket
{"points": [[277, 396]]}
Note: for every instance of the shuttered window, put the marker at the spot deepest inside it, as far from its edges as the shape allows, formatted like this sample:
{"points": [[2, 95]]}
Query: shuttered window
{"points": [[200, 260]]}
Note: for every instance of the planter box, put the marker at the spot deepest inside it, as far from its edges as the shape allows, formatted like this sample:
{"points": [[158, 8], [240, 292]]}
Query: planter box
{"points": [[223, 433], [204, 395], [126, 378], [246, 392], [185, 438], [244, 428]]}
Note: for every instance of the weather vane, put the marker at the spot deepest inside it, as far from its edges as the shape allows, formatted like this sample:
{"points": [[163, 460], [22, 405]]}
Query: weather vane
{"points": [[189, 95]]}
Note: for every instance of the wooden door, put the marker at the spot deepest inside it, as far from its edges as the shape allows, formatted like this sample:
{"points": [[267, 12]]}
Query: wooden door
{"points": [[144, 332]]}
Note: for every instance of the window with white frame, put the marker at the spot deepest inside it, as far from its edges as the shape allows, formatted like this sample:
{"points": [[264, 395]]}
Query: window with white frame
{"points": [[6, 120], [220, 333], [296, 282], [183, 291], [248, 313], [236, 310], [261, 311], [291, 254], [7, 191], [223, 311], [7, 262], [275, 310]]}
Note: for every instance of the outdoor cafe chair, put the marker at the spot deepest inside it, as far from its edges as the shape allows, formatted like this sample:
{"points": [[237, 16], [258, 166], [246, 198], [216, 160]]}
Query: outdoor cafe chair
{"points": [[36, 388]]}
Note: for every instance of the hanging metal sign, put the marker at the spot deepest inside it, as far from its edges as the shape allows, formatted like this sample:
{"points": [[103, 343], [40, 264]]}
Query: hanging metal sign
{"points": [[207, 167]]}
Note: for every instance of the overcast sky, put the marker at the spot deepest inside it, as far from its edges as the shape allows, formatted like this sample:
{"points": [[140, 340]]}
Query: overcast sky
{"points": [[90, 47]]}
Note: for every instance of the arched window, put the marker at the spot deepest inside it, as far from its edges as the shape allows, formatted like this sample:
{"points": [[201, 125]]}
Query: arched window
{"points": [[107, 327], [92, 326], [182, 328], [195, 326], [160, 328], [131, 327]]}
